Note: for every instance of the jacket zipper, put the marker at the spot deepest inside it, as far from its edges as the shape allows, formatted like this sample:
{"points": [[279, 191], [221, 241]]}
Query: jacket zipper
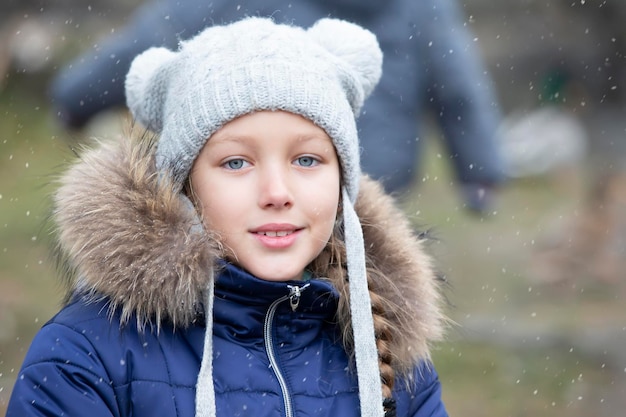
{"points": [[294, 300]]}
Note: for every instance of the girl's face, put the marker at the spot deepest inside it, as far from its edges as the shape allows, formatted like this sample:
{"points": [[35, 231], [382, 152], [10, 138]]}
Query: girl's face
{"points": [[268, 184]]}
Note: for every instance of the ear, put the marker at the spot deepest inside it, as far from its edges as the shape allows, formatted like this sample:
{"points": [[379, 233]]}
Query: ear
{"points": [[354, 45], [147, 85]]}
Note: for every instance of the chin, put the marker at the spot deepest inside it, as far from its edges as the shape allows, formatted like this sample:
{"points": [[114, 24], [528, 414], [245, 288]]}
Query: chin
{"points": [[280, 277], [279, 274]]}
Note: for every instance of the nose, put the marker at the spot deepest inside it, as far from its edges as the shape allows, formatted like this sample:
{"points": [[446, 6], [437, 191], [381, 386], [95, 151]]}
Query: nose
{"points": [[275, 188]]}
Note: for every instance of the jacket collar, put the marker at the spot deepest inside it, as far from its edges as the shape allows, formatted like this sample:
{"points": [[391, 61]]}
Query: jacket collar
{"points": [[241, 287], [243, 301]]}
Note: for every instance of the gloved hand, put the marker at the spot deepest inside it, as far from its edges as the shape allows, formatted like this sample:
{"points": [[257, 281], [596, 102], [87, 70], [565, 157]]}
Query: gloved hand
{"points": [[478, 198]]}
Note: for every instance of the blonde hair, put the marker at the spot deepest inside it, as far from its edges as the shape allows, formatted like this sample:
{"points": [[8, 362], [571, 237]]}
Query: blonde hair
{"points": [[330, 264]]}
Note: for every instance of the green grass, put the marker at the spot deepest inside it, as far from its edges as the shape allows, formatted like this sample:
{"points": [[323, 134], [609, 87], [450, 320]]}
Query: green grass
{"points": [[479, 379], [29, 150], [516, 351]]}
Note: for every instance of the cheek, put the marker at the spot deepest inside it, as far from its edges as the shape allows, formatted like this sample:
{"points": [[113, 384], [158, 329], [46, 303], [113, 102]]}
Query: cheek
{"points": [[212, 200], [219, 213], [325, 209]]}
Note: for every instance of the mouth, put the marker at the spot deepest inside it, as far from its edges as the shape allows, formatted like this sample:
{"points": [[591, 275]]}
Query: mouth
{"points": [[281, 233], [276, 229], [277, 235]]}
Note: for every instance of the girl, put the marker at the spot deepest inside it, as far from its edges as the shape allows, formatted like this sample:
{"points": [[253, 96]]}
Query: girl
{"points": [[238, 264]]}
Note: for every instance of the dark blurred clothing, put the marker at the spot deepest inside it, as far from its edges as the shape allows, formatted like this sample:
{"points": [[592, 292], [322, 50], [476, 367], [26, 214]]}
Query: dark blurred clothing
{"points": [[430, 65]]}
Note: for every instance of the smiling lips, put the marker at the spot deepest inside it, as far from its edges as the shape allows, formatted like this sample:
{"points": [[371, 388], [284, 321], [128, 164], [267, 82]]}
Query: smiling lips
{"points": [[276, 236]]}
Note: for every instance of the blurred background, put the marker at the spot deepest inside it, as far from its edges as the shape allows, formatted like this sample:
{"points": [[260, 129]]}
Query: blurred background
{"points": [[537, 276]]}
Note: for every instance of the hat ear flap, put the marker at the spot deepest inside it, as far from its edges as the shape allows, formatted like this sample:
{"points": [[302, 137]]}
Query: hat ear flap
{"points": [[354, 45], [147, 85]]}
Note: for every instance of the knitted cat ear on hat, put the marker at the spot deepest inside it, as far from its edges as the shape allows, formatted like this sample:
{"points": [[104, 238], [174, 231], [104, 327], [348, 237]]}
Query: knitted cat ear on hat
{"points": [[323, 74], [356, 47], [149, 78]]}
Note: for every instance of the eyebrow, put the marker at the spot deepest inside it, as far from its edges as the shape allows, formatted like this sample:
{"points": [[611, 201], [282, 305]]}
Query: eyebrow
{"points": [[304, 137], [217, 138]]}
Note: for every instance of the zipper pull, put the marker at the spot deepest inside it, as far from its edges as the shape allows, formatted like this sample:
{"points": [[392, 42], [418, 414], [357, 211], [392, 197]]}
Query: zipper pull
{"points": [[294, 295]]}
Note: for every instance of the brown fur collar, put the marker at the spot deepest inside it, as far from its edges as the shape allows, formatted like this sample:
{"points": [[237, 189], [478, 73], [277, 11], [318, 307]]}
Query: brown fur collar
{"points": [[133, 240]]}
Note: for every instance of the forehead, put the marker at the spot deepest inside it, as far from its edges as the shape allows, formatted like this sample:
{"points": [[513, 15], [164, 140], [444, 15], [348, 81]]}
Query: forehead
{"points": [[270, 124]]}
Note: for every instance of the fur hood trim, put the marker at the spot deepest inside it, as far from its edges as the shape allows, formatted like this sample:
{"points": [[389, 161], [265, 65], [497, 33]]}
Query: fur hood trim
{"points": [[128, 236]]}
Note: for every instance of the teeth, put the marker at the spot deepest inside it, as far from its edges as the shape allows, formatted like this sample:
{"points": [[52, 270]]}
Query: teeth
{"points": [[275, 234]]}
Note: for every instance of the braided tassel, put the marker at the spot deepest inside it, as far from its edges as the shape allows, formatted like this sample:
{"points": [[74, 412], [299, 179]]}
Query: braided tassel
{"points": [[389, 404]]}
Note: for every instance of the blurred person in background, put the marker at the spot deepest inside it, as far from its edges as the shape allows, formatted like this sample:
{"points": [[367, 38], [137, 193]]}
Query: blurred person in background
{"points": [[431, 67]]}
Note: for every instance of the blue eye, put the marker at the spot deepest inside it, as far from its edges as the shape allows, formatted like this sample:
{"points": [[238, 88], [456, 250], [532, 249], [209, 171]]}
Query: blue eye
{"points": [[235, 164], [307, 161]]}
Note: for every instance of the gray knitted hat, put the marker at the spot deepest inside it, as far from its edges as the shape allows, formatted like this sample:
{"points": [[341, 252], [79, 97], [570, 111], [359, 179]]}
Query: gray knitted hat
{"points": [[323, 73]]}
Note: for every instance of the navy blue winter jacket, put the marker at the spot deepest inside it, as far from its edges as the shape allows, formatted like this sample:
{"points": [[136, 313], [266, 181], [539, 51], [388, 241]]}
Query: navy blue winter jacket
{"points": [[82, 363]]}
